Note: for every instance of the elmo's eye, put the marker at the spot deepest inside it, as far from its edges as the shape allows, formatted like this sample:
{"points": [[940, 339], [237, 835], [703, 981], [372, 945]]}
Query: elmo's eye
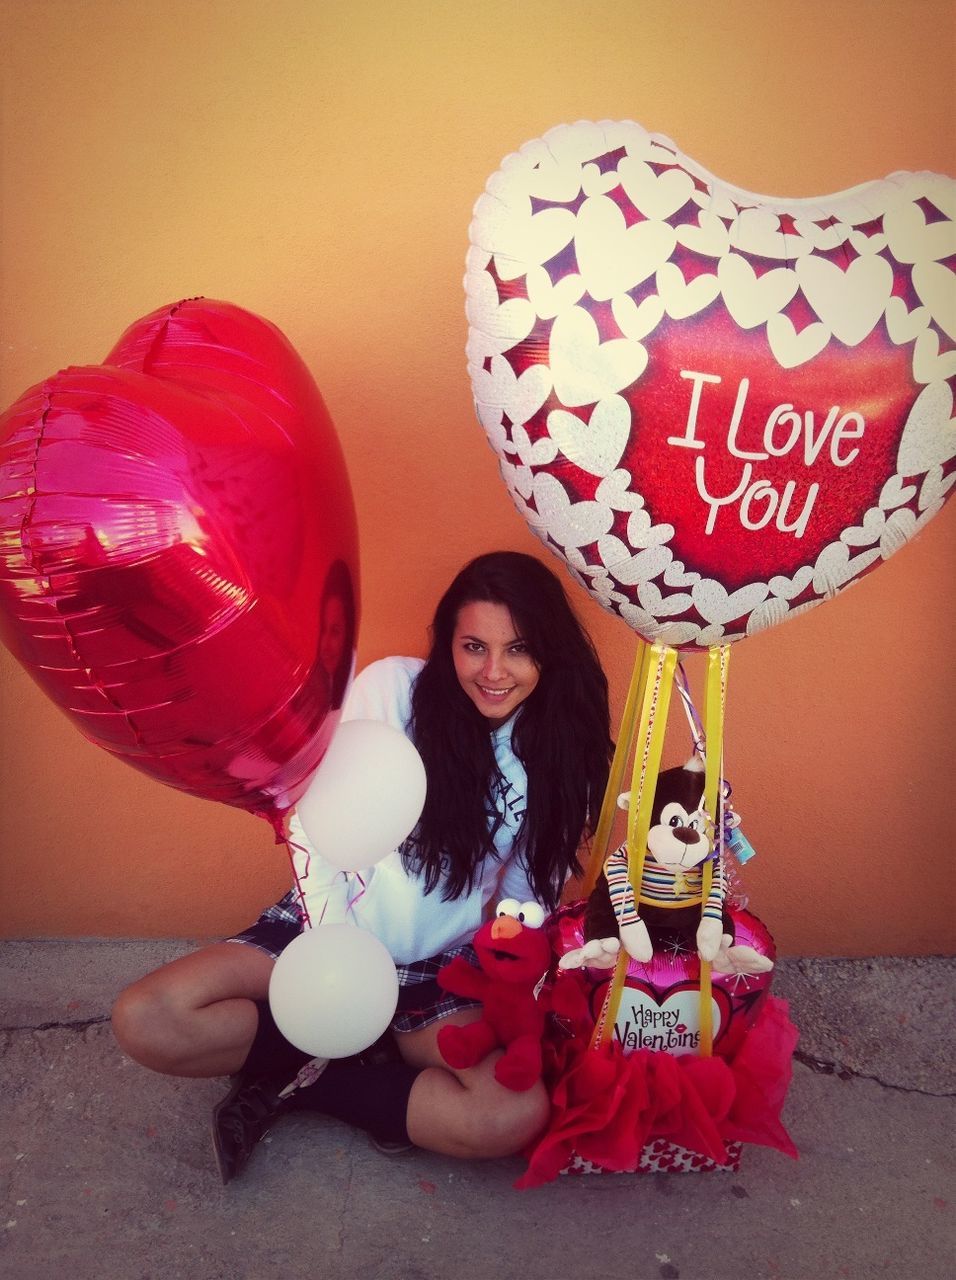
{"points": [[509, 907], [531, 915]]}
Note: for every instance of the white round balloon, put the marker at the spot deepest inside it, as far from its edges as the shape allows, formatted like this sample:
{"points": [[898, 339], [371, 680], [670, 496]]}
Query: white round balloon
{"points": [[333, 990], [366, 795]]}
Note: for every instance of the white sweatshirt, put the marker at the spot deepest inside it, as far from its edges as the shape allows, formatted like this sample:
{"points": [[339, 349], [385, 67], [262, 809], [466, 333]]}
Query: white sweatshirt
{"points": [[414, 925]]}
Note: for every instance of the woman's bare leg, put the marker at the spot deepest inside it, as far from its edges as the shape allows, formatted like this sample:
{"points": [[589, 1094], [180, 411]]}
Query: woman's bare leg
{"points": [[195, 1016], [467, 1113]]}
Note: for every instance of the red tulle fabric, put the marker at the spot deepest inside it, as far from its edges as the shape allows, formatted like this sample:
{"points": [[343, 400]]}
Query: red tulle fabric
{"points": [[607, 1105]]}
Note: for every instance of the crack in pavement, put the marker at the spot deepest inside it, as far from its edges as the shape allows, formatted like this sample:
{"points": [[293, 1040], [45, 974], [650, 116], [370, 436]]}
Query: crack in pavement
{"points": [[822, 1066], [825, 1067], [79, 1024]]}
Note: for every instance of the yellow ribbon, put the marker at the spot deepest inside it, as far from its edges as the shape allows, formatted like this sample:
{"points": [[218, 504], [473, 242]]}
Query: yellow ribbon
{"points": [[718, 659], [657, 684], [651, 684], [622, 750]]}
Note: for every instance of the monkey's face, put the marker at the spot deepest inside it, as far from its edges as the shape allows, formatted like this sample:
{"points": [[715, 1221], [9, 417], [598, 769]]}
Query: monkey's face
{"points": [[678, 840]]}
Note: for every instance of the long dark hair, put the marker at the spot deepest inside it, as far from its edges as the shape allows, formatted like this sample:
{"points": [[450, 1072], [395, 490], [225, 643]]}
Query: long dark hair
{"points": [[561, 735]]}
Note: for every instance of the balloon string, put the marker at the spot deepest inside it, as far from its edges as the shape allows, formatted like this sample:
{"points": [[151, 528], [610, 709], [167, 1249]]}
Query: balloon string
{"points": [[299, 892], [690, 711], [307, 920], [359, 895], [728, 817]]}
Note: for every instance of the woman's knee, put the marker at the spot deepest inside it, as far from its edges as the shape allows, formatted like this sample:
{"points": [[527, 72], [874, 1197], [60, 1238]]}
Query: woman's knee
{"points": [[196, 1016], [149, 1027], [504, 1121]]}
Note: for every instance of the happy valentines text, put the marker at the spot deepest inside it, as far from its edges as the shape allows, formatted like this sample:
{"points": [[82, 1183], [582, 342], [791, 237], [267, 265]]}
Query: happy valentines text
{"points": [[659, 1029]]}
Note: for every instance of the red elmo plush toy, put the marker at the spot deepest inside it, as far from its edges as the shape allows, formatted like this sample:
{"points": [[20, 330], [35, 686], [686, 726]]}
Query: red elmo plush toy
{"points": [[514, 955]]}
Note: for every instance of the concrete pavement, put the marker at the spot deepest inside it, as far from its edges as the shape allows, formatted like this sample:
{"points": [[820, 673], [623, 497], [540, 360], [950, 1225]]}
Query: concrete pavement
{"points": [[108, 1172]]}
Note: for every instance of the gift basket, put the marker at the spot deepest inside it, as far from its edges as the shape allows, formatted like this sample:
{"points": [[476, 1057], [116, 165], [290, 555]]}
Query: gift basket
{"points": [[664, 1049]]}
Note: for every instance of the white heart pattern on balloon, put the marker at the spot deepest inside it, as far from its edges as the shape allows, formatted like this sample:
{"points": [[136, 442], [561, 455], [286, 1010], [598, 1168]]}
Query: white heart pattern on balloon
{"points": [[720, 409]]}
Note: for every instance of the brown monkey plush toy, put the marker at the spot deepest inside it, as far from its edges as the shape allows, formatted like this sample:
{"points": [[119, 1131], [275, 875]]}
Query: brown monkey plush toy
{"points": [[670, 908]]}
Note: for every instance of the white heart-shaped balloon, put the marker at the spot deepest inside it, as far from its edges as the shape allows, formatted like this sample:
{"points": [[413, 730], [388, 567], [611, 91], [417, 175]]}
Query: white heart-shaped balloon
{"points": [[737, 404]]}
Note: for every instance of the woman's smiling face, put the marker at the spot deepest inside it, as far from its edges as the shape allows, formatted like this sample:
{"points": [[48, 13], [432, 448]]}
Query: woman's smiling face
{"points": [[493, 664]]}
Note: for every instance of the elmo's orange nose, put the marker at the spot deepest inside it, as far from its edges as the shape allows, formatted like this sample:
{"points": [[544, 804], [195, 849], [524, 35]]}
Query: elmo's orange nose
{"points": [[505, 927]]}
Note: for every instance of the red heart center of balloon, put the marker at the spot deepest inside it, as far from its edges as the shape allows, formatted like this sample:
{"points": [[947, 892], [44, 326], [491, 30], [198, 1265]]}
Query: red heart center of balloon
{"points": [[179, 560], [765, 472]]}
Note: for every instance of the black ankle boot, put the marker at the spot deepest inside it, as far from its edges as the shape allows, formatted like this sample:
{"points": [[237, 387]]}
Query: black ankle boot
{"points": [[247, 1112], [369, 1090], [243, 1118]]}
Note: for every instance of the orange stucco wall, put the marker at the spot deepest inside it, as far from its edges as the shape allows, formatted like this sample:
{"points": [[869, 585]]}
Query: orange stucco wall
{"points": [[317, 163]]}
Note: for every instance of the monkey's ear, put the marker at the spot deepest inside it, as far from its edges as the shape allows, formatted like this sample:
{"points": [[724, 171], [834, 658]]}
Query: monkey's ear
{"points": [[694, 764]]}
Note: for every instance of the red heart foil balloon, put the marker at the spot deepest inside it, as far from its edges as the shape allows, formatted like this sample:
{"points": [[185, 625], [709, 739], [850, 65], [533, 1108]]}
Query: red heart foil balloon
{"points": [[720, 408], [178, 554]]}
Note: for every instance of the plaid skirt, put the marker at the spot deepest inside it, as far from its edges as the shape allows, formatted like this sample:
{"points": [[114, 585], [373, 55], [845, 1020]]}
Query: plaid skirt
{"points": [[421, 1001]]}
